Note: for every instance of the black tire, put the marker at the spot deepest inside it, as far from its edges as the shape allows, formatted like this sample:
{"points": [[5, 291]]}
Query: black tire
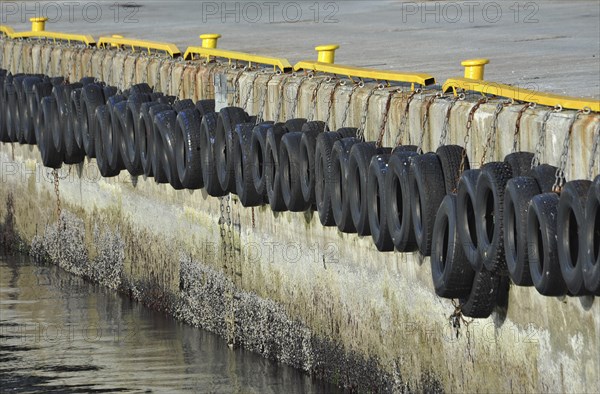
{"points": [[103, 122], [295, 125], [485, 292], [244, 182], [519, 162], [358, 170], [75, 117], [140, 88], [258, 157], [314, 126], [205, 107], [323, 176], [187, 149], [165, 123], [340, 206], [112, 135], [228, 118], [92, 96], [518, 194], [73, 154], [272, 170], [208, 129], [109, 91], [541, 245], [182, 105], [169, 100], [427, 189], [451, 157], [21, 109], [489, 214], [3, 109], [377, 203], [50, 157], [87, 80], [450, 270], [289, 166], [571, 224], [545, 176], [40, 90], [59, 121], [12, 113], [27, 121], [590, 242], [131, 133], [308, 146], [397, 190], [465, 207], [144, 130], [158, 168], [347, 132]]}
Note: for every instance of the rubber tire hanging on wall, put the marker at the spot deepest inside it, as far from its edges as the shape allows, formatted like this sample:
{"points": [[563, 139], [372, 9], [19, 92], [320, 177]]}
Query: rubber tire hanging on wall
{"points": [[489, 214], [144, 128], [244, 180], [485, 292], [92, 96], [427, 189], [308, 146], [397, 190], [519, 162], [50, 157], [450, 158], [208, 128], [272, 170], [228, 118], [40, 90], [322, 176], [518, 194], [12, 118], [73, 154], [289, 169], [258, 158], [130, 145], [205, 107], [450, 270], [158, 167], [590, 242], [21, 108], [465, 208], [30, 110], [340, 205], [165, 123], [377, 203], [103, 122], [111, 136], [358, 169], [187, 149], [570, 227], [541, 246]]}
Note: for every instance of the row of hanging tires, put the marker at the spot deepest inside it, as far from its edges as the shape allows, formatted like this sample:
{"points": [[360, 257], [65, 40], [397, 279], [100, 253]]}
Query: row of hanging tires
{"points": [[480, 226]]}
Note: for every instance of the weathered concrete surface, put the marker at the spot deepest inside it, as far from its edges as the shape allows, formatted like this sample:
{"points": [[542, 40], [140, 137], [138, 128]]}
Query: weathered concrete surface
{"points": [[542, 45], [326, 302]]}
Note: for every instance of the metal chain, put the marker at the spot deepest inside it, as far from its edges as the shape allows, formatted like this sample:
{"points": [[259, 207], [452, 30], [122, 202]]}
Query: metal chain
{"points": [[121, 83], [263, 98], [157, 76], [542, 137], [179, 90], [404, 118], [295, 102], [195, 95], [57, 193], [595, 153], [19, 62], [134, 68], [463, 158], [518, 125], [330, 104], [559, 176], [59, 66], [425, 123], [490, 144], [236, 88], [360, 134], [49, 62], [313, 109], [446, 126], [348, 104], [384, 121], [250, 91], [170, 77], [281, 97]]}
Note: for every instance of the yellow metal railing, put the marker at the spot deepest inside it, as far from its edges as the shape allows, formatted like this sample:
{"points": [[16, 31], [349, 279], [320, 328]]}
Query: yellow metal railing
{"points": [[134, 44], [38, 26], [209, 49], [325, 59], [473, 81]]}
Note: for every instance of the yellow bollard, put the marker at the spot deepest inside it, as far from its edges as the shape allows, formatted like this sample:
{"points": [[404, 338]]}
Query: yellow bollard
{"points": [[474, 68], [38, 23], [209, 41], [326, 53]]}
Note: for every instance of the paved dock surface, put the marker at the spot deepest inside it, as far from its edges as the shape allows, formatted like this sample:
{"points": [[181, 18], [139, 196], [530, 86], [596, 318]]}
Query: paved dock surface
{"points": [[549, 46]]}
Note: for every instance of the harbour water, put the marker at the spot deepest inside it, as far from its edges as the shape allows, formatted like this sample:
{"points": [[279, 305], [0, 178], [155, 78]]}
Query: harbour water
{"points": [[60, 333]]}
